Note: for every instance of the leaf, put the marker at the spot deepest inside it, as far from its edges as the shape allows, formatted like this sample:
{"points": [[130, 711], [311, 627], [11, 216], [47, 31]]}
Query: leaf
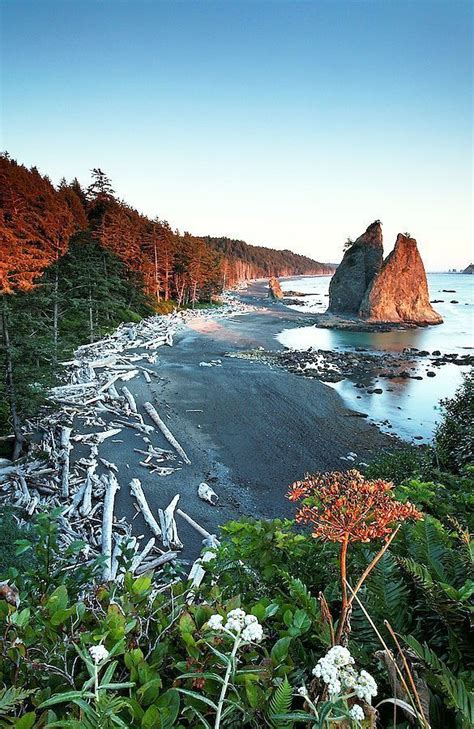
{"points": [[26, 721], [398, 702], [279, 651], [148, 693], [66, 696], [198, 697]]}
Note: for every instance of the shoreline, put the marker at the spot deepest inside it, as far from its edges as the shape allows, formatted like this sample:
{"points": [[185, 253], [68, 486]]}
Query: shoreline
{"points": [[248, 429]]}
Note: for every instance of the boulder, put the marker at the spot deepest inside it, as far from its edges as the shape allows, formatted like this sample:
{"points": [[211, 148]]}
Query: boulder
{"points": [[275, 291], [361, 262], [399, 292]]}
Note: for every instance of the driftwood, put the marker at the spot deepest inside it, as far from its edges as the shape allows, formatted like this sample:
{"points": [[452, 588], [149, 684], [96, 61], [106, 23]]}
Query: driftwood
{"points": [[130, 399], [203, 532], [111, 488], [137, 491], [168, 525], [165, 430], [158, 562], [65, 451]]}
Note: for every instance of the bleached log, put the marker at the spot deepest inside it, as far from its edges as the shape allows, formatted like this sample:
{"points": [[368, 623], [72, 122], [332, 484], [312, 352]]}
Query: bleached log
{"points": [[96, 438], [206, 493], [112, 487], [86, 506], [126, 376], [146, 376], [159, 470], [109, 465], [158, 562], [64, 456], [130, 399], [136, 426], [165, 430], [77, 498], [140, 556], [168, 525], [32, 505], [137, 492], [112, 392], [203, 532]]}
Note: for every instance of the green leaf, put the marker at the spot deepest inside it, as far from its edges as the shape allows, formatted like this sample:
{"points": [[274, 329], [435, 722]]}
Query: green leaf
{"points": [[149, 692], [66, 697], [279, 651], [26, 721], [198, 697]]}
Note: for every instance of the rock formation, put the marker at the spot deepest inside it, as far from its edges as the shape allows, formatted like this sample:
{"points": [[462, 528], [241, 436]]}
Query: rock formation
{"points": [[361, 262], [399, 292], [275, 288], [469, 269]]}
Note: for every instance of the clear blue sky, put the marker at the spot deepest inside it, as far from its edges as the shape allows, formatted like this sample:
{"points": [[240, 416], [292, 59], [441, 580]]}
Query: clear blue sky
{"points": [[290, 124]]}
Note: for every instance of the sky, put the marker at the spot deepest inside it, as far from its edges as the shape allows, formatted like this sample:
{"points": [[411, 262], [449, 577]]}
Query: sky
{"points": [[287, 124]]}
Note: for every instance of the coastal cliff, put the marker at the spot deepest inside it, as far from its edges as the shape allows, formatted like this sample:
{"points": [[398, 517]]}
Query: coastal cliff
{"points": [[399, 292], [361, 262]]}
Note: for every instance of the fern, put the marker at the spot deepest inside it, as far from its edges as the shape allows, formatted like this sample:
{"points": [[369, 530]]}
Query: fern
{"points": [[280, 703], [459, 695], [10, 698]]}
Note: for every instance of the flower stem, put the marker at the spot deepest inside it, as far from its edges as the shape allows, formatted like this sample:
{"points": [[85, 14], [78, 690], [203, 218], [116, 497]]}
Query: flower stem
{"points": [[228, 672], [344, 604]]}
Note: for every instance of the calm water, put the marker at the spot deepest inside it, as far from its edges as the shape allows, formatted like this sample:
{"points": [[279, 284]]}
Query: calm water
{"points": [[412, 407]]}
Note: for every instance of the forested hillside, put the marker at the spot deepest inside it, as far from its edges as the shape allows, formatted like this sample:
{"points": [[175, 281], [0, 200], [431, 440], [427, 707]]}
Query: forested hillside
{"points": [[38, 219], [76, 262], [247, 261]]}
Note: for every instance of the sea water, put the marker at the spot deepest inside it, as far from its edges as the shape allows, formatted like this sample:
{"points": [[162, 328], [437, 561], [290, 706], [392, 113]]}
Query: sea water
{"points": [[412, 408]]}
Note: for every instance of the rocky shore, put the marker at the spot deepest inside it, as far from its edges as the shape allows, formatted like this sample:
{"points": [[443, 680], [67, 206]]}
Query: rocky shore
{"points": [[360, 365]]}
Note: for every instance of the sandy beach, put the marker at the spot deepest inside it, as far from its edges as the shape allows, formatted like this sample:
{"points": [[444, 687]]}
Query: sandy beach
{"points": [[248, 429]]}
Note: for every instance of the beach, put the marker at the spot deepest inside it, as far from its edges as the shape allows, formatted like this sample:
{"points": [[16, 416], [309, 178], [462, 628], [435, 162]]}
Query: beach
{"points": [[249, 429]]}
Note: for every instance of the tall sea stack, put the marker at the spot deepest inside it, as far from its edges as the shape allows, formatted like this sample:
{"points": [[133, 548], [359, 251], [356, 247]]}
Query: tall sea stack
{"points": [[361, 263], [399, 292]]}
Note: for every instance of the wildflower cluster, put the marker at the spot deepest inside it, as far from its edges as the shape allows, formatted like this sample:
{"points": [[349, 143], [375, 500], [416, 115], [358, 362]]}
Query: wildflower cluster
{"points": [[98, 653], [346, 507], [337, 671], [238, 623]]}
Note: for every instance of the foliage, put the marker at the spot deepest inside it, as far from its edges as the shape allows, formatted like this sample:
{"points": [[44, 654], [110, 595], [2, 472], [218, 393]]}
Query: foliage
{"points": [[454, 439]]}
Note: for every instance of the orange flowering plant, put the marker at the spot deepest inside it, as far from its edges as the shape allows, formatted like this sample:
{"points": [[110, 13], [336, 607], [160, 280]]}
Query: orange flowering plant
{"points": [[346, 508]]}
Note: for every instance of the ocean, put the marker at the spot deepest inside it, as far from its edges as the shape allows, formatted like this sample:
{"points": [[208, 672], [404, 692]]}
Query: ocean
{"points": [[412, 408]]}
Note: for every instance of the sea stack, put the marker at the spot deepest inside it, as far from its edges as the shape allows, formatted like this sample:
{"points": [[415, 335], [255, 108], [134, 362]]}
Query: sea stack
{"points": [[361, 263], [399, 292], [275, 291]]}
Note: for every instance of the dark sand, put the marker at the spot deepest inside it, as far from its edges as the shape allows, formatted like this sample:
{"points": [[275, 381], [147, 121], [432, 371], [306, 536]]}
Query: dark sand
{"points": [[259, 429]]}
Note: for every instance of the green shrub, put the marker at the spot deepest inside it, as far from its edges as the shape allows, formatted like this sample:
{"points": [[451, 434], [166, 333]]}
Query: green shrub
{"points": [[454, 438]]}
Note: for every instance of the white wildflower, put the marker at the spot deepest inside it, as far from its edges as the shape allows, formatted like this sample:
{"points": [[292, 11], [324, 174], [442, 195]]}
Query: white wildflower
{"points": [[233, 625], [357, 713], [303, 691], [253, 633], [250, 619], [99, 653], [215, 622], [365, 686]]}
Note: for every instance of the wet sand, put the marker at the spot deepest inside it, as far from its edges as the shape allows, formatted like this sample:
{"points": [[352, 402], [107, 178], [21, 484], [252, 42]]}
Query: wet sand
{"points": [[248, 429]]}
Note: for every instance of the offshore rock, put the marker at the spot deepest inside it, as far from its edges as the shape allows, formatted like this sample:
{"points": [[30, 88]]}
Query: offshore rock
{"points": [[275, 288], [361, 263], [399, 292]]}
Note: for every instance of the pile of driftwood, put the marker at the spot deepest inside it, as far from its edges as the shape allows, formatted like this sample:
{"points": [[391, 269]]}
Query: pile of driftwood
{"points": [[66, 469]]}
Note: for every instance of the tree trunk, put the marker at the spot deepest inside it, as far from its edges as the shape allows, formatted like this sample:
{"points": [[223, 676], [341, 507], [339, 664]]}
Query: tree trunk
{"points": [[157, 286], [10, 386], [91, 319], [55, 314]]}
